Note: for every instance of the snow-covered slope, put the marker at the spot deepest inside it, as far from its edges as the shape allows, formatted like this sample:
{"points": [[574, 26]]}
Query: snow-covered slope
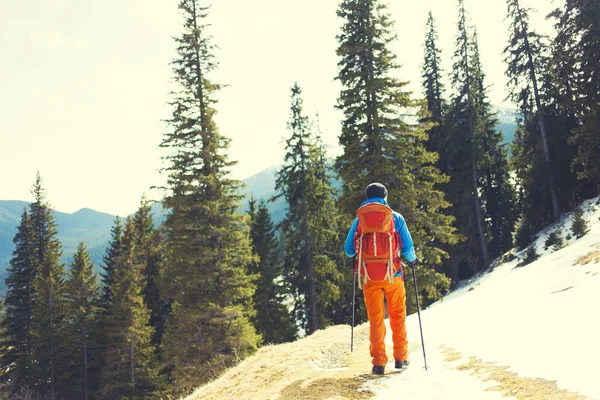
{"points": [[525, 327]]}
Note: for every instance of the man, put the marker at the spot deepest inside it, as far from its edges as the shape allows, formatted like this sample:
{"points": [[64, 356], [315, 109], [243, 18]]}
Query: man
{"points": [[392, 286]]}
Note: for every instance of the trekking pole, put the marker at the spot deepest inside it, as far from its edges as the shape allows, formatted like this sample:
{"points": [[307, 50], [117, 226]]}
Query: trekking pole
{"points": [[419, 313], [353, 300]]}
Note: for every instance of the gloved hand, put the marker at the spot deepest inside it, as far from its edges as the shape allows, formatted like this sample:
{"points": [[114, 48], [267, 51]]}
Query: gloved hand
{"points": [[413, 263]]}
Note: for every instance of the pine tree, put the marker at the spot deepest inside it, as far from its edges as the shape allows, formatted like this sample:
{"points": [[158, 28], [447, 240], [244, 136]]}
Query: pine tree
{"points": [[150, 254], [16, 358], [48, 308], [110, 260], [129, 366], [327, 246], [497, 193], [143, 227], [560, 88], [434, 90], [208, 247], [579, 226], [293, 183], [582, 19], [555, 72], [379, 145], [463, 191], [82, 301], [273, 321], [524, 57]]}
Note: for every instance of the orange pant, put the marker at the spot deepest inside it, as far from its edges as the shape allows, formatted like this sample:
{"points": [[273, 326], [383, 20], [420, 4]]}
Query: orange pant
{"points": [[396, 303]]}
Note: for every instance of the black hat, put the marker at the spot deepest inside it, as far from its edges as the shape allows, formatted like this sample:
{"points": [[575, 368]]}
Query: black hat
{"points": [[376, 190]]}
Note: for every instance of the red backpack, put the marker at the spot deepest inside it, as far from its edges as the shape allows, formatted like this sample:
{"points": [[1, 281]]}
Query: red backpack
{"points": [[377, 244]]}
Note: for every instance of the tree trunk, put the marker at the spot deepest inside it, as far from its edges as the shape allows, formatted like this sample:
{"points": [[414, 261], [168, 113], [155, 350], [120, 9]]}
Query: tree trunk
{"points": [[132, 365], [85, 361], [312, 293], [52, 340]]}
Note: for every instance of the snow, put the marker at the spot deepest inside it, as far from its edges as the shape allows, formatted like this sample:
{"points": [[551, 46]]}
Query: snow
{"points": [[539, 321]]}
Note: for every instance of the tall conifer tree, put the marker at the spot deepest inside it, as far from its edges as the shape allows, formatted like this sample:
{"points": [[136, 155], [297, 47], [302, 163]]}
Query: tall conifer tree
{"points": [[583, 19], [149, 254], [293, 181], [129, 360], [110, 261], [82, 303], [379, 145], [49, 306], [208, 246], [273, 320], [17, 358], [434, 91], [497, 193], [463, 189], [324, 226], [524, 56]]}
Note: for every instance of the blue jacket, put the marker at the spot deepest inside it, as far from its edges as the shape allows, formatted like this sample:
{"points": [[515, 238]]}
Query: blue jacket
{"points": [[407, 249]]}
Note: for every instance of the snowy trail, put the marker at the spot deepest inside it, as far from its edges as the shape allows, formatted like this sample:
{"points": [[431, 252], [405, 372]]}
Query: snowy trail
{"points": [[441, 381], [534, 329]]}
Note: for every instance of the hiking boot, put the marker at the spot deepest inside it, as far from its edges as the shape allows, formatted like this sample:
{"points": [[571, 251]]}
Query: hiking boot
{"points": [[401, 364], [377, 370]]}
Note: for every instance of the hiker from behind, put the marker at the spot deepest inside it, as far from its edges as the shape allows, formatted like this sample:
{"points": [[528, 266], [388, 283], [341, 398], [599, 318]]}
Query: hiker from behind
{"points": [[374, 239]]}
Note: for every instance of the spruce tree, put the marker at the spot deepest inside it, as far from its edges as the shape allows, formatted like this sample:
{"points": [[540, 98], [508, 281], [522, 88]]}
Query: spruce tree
{"points": [[273, 321], [327, 246], [463, 191], [110, 260], [579, 226], [17, 358], [497, 193], [433, 89], [208, 247], [129, 360], [524, 57], [379, 145], [560, 87], [83, 312], [48, 286], [582, 20], [309, 228], [150, 254], [293, 183]]}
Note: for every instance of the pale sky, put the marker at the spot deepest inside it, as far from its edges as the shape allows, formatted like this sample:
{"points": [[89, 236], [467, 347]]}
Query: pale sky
{"points": [[84, 84]]}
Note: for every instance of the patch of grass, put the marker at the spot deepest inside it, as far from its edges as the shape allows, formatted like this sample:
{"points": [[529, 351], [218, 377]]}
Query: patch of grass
{"points": [[592, 256], [346, 388], [304, 369], [450, 355], [512, 385]]}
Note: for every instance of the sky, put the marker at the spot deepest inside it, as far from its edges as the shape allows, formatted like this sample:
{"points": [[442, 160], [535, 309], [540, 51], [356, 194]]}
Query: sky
{"points": [[84, 84]]}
